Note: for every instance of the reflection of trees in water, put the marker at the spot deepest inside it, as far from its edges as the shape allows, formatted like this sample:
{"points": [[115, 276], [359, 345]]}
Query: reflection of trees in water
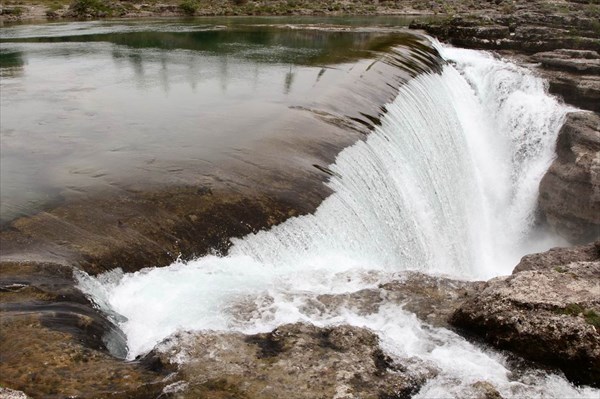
{"points": [[254, 44], [137, 62], [306, 46], [12, 63], [193, 73], [223, 72], [164, 72], [289, 79]]}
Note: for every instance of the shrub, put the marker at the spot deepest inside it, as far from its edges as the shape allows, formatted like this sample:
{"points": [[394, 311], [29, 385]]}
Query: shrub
{"points": [[90, 7], [16, 11], [189, 7]]}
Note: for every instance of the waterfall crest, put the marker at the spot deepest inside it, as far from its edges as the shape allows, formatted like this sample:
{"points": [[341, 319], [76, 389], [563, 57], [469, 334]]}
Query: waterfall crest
{"points": [[446, 185]]}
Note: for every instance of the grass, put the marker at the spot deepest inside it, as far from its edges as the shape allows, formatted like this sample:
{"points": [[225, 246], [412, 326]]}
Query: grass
{"points": [[592, 317], [574, 309]]}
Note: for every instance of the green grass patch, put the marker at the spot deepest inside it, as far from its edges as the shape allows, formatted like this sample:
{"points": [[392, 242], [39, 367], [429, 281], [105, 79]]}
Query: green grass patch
{"points": [[574, 309], [592, 317]]}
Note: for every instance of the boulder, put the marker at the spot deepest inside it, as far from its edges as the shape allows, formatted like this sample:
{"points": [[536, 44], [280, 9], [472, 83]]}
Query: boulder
{"points": [[294, 361], [547, 311], [559, 256], [570, 191], [6, 393]]}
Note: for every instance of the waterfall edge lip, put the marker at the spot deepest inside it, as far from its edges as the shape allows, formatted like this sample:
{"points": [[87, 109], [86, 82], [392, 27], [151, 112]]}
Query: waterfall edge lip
{"points": [[279, 176]]}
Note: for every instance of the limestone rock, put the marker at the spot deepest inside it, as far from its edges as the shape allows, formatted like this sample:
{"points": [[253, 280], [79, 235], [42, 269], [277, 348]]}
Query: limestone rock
{"points": [[294, 361], [584, 61], [557, 257], [431, 299], [54, 342], [570, 190], [6, 393], [550, 315], [485, 390]]}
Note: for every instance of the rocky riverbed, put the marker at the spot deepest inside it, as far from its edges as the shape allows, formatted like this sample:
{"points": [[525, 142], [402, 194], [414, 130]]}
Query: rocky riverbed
{"points": [[63, 338]]}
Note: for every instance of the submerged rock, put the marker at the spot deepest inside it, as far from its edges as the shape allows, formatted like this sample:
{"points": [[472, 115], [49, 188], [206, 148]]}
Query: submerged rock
{"points": [[570, 190], [293, 361], [547, 311], [431, 299], [55, 344]]}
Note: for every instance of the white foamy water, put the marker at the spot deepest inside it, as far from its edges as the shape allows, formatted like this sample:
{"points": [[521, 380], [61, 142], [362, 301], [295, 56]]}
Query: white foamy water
{"points": [[447, 185]]}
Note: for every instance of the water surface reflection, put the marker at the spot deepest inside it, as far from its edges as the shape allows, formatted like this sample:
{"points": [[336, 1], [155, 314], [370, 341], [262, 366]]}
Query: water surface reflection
{"points": [[101, 106]]}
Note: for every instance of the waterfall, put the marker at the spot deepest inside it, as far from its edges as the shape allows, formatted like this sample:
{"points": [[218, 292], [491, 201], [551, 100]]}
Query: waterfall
{"points": [[447, 185]]}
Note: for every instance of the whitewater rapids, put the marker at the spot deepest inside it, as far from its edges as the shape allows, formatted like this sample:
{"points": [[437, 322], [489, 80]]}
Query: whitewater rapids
{"points": [[447, 185]]}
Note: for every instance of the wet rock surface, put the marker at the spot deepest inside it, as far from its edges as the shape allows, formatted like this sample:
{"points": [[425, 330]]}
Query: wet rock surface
{"points": [[547, 311], [570, 190], [431, 299], [556, 257], [584, 61], [293, 361], [55, 344]]}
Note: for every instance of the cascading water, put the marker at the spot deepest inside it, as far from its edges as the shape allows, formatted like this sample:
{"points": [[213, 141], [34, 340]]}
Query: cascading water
{"points": [[446, 185]]}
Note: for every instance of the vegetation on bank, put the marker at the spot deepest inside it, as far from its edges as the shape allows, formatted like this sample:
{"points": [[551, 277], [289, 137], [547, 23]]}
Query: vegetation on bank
{"points": [[101, 8], [15, 9], [477, 11], [86, 9]]}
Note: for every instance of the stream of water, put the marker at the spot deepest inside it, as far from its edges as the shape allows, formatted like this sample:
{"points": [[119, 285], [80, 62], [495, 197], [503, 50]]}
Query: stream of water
{"points": [[447, 185]]}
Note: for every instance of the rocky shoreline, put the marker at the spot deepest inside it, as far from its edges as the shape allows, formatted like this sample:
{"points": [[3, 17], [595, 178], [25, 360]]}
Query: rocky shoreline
{"points": [[64, 337]]}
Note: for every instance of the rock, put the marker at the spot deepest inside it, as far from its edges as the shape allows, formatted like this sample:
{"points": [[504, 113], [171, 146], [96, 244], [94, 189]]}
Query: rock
{"points": [[6, 393], [582, 61], [432, 299], [294, 361], [557, 257], [582, 91], [548, 314], [570, 191], [485, 390], [573, 75], [54, 343]]}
